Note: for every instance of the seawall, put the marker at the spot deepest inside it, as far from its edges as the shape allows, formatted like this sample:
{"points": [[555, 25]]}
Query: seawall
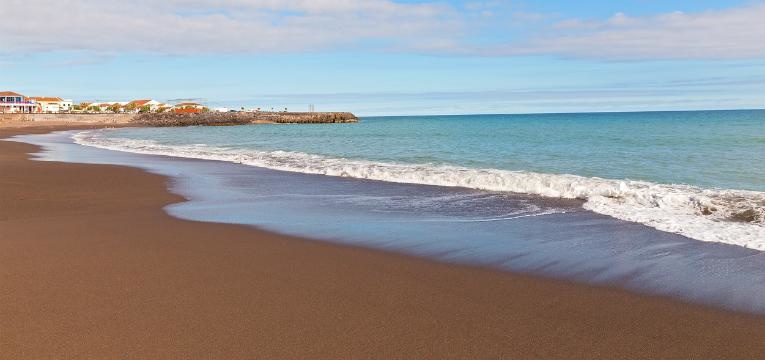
{"points": [[59, 119]]}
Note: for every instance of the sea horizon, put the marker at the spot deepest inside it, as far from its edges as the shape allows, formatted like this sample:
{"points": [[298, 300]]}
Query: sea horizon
{"points": [[574, 112]]}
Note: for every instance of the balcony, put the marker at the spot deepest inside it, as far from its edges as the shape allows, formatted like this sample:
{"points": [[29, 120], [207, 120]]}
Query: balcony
{"points": [[10, 101]]}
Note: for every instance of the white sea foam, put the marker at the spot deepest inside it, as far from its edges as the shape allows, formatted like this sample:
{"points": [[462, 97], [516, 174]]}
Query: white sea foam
{"points": [[715, 215]]}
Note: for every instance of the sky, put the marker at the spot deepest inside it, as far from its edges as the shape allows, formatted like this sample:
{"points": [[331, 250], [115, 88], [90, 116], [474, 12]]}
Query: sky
{"points": [[385, 57]]}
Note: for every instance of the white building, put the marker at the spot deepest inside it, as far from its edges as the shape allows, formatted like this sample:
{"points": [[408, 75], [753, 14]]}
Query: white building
{"points": [[48, 104], [11, 102], [66, 105]]}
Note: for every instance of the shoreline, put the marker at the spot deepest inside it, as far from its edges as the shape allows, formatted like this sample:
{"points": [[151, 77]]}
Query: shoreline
{"points": [[88, 271], [600, 250]]}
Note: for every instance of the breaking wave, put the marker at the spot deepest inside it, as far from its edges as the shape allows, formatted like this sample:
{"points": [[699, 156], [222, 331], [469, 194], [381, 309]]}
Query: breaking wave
{"points": [[734, 217]]}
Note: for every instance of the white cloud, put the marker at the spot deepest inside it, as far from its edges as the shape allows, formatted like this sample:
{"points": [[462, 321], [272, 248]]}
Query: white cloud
{"points": [[202, 26], [735, 33], [274, 26]]}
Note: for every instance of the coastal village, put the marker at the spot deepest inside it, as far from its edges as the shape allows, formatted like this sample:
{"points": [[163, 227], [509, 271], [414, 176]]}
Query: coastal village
{"points": [[19, 108], [13, 102]]}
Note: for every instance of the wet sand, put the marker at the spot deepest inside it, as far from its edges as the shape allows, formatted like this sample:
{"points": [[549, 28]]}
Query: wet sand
{"points": [[91, 267]]}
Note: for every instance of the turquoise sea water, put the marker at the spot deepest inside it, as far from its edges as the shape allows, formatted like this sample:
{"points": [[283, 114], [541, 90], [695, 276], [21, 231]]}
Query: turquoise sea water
{"points": [[700, 174], [722, 149]]}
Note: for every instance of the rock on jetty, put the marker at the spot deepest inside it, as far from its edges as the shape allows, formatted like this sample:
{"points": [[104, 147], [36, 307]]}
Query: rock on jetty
{"points": [[241, 118]]}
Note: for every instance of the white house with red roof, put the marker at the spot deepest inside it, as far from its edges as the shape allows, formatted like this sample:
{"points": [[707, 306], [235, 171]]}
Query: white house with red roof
{"points": [[11, 102]]}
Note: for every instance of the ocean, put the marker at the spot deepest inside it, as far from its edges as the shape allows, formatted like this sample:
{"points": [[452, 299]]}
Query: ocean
{"points": [[700, 174], [669, 203]]}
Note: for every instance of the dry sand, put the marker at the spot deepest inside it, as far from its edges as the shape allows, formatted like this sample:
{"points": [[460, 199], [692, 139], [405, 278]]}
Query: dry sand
{"points": [[92, 268]]}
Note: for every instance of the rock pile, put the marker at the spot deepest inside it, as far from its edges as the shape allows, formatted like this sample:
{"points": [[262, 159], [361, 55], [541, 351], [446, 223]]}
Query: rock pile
{"points": [[240, 118]]}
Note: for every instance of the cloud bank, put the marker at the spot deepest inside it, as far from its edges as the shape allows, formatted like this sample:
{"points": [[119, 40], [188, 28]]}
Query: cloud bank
{"points": [[736, 33], [221, 26], [287, 26]]}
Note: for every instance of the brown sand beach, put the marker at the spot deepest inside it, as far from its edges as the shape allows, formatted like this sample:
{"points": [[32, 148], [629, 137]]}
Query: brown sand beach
{"points": [[92, 268]]}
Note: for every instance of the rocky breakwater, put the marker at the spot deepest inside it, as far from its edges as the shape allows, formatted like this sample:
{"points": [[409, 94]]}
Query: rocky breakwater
{"points": [[241, 118]]}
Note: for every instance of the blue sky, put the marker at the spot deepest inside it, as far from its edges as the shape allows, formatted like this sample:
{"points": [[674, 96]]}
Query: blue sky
{"points": [[381, 57]]}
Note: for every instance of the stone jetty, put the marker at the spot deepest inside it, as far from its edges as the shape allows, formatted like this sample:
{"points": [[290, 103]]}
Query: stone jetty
{"points": [[241, 118]]}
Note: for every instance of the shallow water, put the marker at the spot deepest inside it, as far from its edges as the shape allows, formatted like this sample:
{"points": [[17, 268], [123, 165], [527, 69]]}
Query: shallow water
{"points": [[517, 232]]}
